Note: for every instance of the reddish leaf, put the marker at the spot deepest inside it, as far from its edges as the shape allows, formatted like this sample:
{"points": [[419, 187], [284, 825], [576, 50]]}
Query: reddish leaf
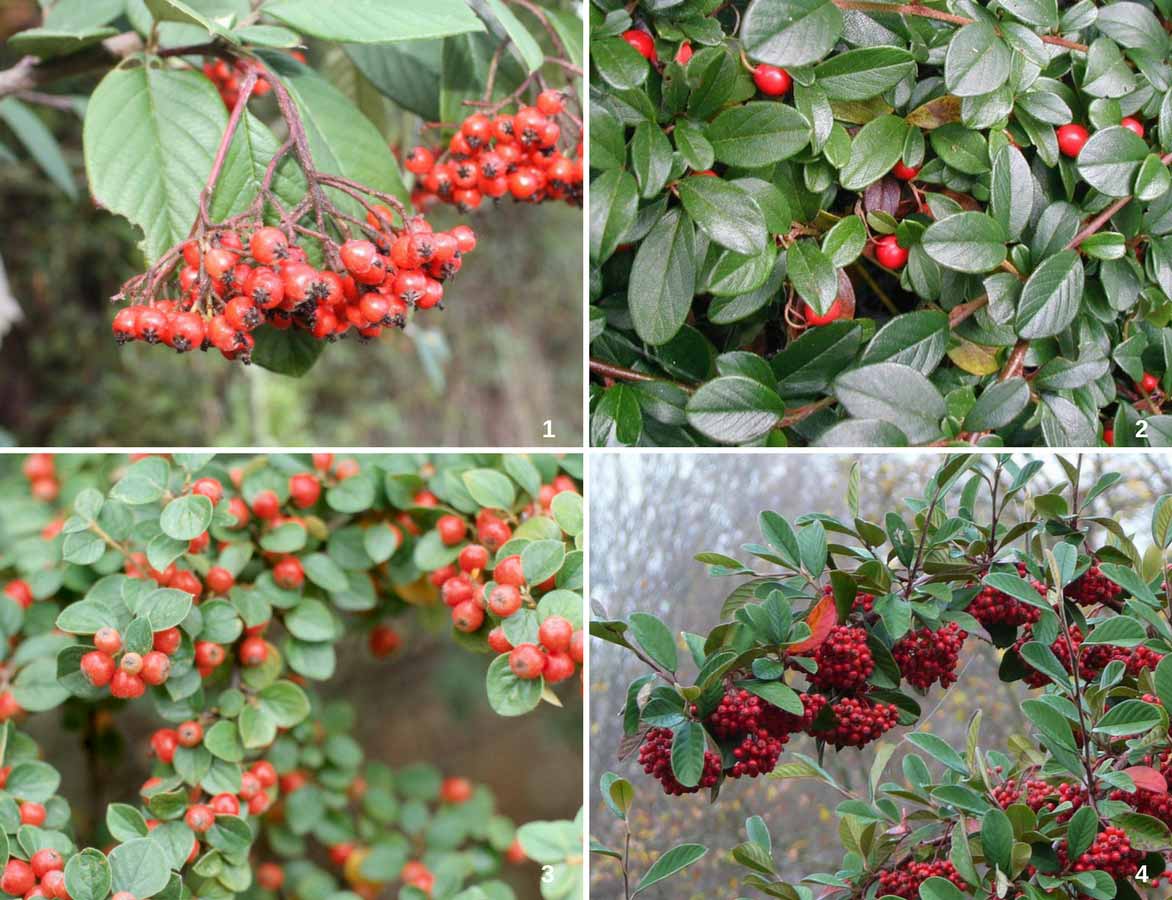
{"points": [[823, 616], [1147, 778]]}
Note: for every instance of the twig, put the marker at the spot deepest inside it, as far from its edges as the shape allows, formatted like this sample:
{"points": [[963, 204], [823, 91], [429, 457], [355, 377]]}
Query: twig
{"points": [[1016, 361], [620, 374], [959, 313]]}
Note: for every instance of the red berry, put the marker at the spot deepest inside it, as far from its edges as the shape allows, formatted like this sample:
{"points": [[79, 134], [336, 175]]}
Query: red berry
{"points": [[1149, 383], [499, 641], [558, 667], [684, 53], [108, 640], [32, 813], [1109, 437], [577, 652], [98, 668], [200, 818], [46, 860], [268, 245], [208, 655], [509, 571], [168, 640], [641, 41], [254, 651], [18, 878], [771, 81], [456, 790], [467, 616], [384, 641], [20, 591], [266, 505], [451, 529], [265, 773], [270, 876], [288, 574], [156, 667], [1071, 139], [131, 663], [1133, 125], [220, 580], [225, 805], [304, 490], [889, 253], [551, 102], [904, 173], [473, 557], [504, 600], [125, 686], [163, 744], [527, 661], [555, 634], [833, 314]]}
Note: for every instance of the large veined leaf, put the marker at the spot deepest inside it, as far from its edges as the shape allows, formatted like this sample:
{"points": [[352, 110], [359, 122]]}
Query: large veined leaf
{"points": [[465, 61], [341, 140], [407, 72], [790, 32], [252, 149], [150, 137], [894, 393], [375, 21], [1050, 299], [966, 242], [663, 278]]}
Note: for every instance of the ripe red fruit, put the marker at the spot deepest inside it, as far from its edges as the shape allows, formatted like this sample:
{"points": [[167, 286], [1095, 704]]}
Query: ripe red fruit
{"points": [[53, 884], [384, 640], [1072, 138], [266, 505], [1133, 125], [1149, 383], [415, 874], [465, 238], [904, 173], [238, 510], [641, 41], [125, 686], [833, 314], [576, 648], [208, 655], [304, 490], [18, 878], [527, 661], [504, 600], [108, 640], [288, 573], [499, 641], [1109, 437], [98, 668], [270, 876], [473, 557], [467, 616], [220, 580], [20, 591], [558, 667], [339, 853], [551, 102], [163, 744], [451, 529], [456, 790], [509, 571], [225, 805], [555, 633], [771, 81], [323, 461], [268, 245], [889, 253], [265, 773], [684, 53], [200, 818], [168, 640], [46, 860], [210, 488], [131, 663], [254, 651]]}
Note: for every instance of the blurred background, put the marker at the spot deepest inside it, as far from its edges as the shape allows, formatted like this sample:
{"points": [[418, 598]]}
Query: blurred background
{"points": [[656, 512], [503, 357]]}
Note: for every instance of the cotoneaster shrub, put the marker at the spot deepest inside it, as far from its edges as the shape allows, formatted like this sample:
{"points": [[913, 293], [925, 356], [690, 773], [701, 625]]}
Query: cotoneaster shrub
{"points": [[846, 623], [272, 229], [216, 592], [845, 222]]}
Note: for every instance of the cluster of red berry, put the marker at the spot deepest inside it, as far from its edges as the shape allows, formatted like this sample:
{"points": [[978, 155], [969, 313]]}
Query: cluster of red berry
{"points": [[993, 607], [928, 657], [844, 660], [756, 730], [559, 650], [125, 672], [41, 472], [1091, 660], [1093, 588], [42, 876], [507, 154], [227, 77], [272, 283], [906, 880], [655, 758], [858, 721], [1111, 853], [1040, 795], [258, 783]]}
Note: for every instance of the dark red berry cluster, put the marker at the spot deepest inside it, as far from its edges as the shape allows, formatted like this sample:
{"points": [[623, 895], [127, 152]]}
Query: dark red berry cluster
{"points": [[270, 282], [1040, 795], [992, 607], [228, 76], [755, 728], [1091, 660], [844, 660], [928, 657], [1111, 853], [906, 880], [655, 758], [41, 473], [507, 154], [126, 672], [858, 721], [43, 876], [1093, 588]]}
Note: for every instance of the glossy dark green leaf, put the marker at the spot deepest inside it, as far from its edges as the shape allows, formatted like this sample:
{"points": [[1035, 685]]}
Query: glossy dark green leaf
{"points": [[757, 134], [663, 278], [734, 409], [790, 32], [724, 212]]}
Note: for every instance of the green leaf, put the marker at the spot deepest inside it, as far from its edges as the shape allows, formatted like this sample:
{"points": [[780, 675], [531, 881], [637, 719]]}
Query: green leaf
{"points": [[139, 867], [916, 339], [528, 48], [150, 135], [490, 488], [663, 278], [87, 875], [618, 63], [654, 637], [790, 32], [893, 393], [966, 242], [509, 695], [999, 404], [1110, 159], [813, 275], [408, 73], [997, 838], [876, 148], [725, 213], [650, 159], [977, 62], [375, 22], [1129, 717], [863, 73], [614, 201], [50, 42], [292, 352], [734, 409], [39, 142], [674, 860], [687, 753], [186, 518], [757, 134], [540, 560], [1051, 297]]}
